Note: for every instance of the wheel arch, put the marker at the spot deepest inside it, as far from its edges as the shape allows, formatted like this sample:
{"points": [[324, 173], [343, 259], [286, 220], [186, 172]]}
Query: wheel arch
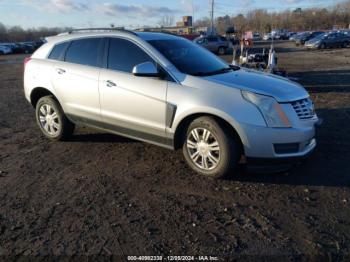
{"points": [[183, 124], [38, 93]]}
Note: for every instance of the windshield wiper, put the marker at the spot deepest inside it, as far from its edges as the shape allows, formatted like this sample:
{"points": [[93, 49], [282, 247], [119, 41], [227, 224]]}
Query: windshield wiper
{"points": [[217, 72]]}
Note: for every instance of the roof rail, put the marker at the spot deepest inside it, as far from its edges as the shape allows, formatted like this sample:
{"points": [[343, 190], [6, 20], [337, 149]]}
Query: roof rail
{"points": [[108, 29]]}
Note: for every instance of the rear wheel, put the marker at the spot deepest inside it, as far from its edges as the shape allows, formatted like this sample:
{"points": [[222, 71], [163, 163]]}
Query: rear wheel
{"points": [[209, 149], [51, 119]]}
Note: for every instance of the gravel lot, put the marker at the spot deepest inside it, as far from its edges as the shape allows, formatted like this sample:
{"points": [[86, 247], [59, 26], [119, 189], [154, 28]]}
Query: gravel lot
{"points": [[104, 194]]}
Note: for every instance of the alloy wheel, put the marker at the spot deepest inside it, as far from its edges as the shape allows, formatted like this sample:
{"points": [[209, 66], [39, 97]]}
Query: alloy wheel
{"points": [[203, 149], [49, 120]]}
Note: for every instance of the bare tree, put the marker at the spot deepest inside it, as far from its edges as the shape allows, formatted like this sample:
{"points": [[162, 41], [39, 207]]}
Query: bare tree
{"points": [[262, 21], [258, 20]]}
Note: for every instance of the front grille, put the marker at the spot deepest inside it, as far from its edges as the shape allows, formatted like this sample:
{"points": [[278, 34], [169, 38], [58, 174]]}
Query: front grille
{"points": [[304, 108]]}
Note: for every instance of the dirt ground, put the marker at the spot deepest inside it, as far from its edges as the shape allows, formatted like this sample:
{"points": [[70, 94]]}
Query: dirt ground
{"points": [[101, 194]]}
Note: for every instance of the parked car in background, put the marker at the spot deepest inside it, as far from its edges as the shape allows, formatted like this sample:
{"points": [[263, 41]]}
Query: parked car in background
{"points": [[5, 50], [27, 49], [38, 43], [16, 48], [234, 40], [278, 34], [297, 36], [190, 36], [271, 36], [267, 37], [257, 37], [214, 43], [291, 35], [329, 40], [284, 35], [307, 36]]}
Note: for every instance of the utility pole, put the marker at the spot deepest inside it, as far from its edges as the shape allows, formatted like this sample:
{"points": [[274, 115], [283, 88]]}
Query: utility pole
{"points": [[212, 16], [193, 13]]}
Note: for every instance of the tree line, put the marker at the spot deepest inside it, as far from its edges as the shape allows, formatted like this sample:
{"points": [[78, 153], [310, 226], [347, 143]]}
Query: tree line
{"points": [[259, 20], [18, 34], [263, 21]]}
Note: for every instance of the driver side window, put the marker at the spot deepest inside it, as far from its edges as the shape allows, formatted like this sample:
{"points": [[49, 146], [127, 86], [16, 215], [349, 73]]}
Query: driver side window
{"points": [[202, 41], [212, 39], [123, 55]]}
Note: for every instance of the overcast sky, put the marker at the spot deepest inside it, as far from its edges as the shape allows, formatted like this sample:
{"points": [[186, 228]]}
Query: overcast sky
{"points": [[129, 13]]}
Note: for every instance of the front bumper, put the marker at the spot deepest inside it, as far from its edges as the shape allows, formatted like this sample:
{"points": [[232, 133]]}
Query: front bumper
{"points": [[261, 156], [311, 46], [279, 143]]}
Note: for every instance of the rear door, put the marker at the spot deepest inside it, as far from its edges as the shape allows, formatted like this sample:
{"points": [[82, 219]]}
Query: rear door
{"points": [[341, 39], [213, 43], [76, 78], [331, 40], [132, 105]]}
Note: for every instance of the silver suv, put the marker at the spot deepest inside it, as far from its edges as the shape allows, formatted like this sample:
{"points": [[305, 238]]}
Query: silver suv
{"points": [[216, 44], [168, 91]]}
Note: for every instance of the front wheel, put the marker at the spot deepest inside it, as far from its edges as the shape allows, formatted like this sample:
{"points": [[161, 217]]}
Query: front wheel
{"points": [[210, 149], [51, 119]]}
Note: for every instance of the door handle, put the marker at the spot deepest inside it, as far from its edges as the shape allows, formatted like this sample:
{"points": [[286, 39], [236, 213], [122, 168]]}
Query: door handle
{"points": [[60, 71], [110, 83]]}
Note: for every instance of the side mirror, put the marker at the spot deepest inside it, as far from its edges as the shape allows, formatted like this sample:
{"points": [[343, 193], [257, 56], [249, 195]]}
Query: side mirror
{"points": [[147, 69]]}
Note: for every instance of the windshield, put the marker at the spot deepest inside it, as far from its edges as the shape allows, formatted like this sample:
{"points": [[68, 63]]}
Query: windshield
{"points": [[319, 37], [190, 58]]}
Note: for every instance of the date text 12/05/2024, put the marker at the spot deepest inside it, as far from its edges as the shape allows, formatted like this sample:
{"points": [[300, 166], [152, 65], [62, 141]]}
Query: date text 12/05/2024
{"points": [[172, 258]]}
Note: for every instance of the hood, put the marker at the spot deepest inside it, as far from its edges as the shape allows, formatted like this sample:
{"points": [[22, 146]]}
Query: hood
{"points": [[282, 89]]}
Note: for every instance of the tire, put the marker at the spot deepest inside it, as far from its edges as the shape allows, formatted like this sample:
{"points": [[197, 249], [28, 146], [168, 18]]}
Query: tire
{"points": [[2, 53], [323, 46], [224, 156], [51, 119], [222, 50], [345, 44]]}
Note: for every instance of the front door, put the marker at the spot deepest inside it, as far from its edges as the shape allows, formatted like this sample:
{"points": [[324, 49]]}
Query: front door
{"points": [[213, 43], [131, 105]]}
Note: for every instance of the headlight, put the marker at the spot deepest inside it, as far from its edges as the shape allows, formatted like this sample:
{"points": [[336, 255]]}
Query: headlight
{"points": [[269, 108]]}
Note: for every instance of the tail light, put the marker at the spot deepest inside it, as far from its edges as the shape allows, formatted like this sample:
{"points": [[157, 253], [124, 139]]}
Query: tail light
{"points": [[26, 60]]}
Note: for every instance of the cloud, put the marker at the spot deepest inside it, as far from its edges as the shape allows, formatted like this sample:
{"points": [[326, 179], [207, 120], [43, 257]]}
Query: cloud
{"points": [[61, 6], [112, 9], [68, 5], [293, 1], [189, 6]]}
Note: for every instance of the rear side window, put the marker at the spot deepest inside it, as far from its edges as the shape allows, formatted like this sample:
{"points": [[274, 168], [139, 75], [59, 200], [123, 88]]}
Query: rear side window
{"points": [[84, 52], [123, 55], [212, 39], [57, 51]]}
